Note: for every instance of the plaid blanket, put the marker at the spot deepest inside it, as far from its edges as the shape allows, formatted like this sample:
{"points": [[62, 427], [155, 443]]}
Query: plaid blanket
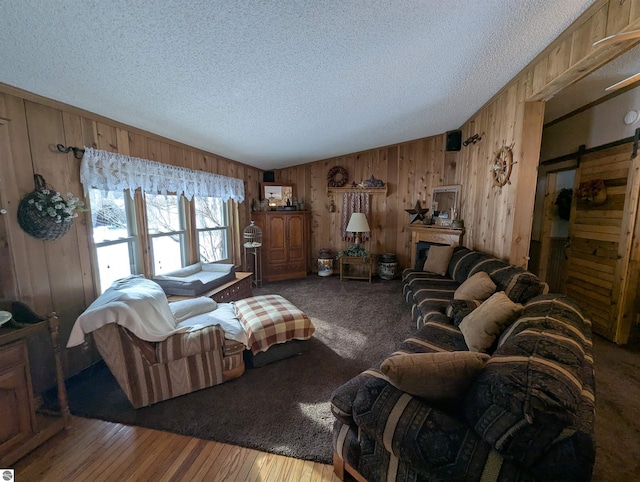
{"points": [[271, 319]]}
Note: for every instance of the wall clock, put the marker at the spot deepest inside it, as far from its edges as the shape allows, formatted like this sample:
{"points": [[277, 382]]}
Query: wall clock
{"points": [[502, 166]]}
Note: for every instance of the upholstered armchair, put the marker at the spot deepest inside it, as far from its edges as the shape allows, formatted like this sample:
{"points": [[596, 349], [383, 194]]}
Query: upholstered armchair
{"points": [[158, 351], [150, 372]]}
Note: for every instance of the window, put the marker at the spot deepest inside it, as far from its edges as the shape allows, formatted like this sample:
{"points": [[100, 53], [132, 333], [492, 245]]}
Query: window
{"points": [[118, 240], [115, 235], [212, 228], [165, 222]]}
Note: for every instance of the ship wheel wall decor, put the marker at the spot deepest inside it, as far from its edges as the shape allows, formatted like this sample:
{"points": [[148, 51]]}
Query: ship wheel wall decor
{"points": [[502, 166]]}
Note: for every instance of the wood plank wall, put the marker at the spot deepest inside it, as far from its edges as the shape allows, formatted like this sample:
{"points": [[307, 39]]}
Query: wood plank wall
{"points": [[497, 220], [409, 169], [57, 275]]}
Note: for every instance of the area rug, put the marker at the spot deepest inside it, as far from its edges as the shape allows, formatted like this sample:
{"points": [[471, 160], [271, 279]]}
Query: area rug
{"points": [[283, 407]]}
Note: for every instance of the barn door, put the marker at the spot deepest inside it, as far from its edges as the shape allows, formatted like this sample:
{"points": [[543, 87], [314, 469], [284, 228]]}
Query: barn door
{"points": [[601, 237]]}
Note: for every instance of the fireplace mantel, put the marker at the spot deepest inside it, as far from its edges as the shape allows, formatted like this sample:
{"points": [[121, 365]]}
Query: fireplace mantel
{"points": [[434, 234]]}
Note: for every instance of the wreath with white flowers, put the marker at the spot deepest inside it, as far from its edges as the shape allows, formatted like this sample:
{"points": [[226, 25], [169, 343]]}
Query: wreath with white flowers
{"points": [[337, 176]]}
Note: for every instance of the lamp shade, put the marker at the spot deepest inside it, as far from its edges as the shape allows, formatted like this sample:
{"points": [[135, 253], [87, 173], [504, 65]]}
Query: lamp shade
{"points": [[358, 223]]}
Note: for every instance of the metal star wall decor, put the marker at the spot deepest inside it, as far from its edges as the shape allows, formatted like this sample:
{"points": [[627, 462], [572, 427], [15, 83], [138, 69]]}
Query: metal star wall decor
{"points": [[416, 213]]}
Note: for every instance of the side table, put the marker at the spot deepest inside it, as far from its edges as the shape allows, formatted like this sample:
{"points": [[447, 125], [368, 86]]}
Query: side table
{"points": [[356, 267]]}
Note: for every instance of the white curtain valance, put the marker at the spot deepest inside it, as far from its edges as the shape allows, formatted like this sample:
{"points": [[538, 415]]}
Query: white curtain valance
{"points": [[109, 171]]}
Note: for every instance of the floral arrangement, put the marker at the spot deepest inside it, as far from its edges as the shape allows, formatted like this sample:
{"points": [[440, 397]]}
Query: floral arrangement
{"points": [[51, 203], [356, 250], [590, 189]]}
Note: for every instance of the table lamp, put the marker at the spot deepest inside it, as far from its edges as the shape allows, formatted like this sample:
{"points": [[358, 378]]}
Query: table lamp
{"points": [[358, 224]]}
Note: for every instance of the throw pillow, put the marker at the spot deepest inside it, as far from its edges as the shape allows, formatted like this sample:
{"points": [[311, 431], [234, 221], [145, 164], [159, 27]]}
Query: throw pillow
{"points": [[477, 287], [481, 327], [440, 376], [458, 309], [438, 259], [191, 307]]}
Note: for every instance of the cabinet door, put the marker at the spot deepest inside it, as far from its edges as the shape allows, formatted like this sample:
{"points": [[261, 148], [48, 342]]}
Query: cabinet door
{"points": [[296, 240], [16, 407], [276, 239]]}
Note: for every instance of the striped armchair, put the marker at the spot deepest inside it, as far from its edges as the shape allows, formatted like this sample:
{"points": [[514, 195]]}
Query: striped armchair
{"points": [[154, 353], [150, 372]]}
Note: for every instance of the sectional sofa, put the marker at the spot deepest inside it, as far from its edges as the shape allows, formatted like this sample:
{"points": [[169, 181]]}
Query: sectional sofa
{"points": [[519, 408]]}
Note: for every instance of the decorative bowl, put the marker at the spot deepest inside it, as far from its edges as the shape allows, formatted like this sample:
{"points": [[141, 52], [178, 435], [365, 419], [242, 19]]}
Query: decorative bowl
{"points": [[4, 317]]}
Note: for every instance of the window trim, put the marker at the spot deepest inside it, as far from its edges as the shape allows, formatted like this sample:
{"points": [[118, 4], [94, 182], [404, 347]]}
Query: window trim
{"points": [[226, 227], [183, 213], [133, 241]]}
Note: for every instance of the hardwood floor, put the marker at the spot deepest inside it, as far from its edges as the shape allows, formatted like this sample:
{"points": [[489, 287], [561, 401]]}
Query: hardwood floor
{"points": [[95, 450]]}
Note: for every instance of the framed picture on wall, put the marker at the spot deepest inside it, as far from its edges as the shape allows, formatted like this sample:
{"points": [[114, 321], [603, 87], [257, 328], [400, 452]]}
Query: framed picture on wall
{"points": [[277, 193]]}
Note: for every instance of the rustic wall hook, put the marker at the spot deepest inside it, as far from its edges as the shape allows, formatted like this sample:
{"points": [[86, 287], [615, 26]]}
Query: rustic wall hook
{"points": [[473, 139], [77, 151]]}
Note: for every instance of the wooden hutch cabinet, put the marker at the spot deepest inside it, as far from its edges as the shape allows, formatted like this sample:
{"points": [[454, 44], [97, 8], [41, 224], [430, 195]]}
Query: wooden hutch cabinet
{"points": [[285, 243]]}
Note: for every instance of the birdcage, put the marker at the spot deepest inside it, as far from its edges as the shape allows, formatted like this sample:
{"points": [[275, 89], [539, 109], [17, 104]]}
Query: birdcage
{"points": [[252, 236], [252, 247]]}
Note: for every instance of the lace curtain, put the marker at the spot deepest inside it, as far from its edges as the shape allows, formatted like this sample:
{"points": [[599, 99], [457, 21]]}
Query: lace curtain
{"points": [[109, 171]]}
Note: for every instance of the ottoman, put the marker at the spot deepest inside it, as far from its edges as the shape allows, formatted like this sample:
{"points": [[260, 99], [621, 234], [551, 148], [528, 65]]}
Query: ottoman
{"points": [[276, 328]]}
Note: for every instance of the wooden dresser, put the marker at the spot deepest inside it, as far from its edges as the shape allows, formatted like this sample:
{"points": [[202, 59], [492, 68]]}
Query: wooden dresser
{"points": [[22, 426], [285, 243], [235, 290]]}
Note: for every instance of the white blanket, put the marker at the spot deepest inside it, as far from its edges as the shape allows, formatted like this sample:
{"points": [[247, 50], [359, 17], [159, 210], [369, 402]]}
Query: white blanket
{"points": [[134, 302], [224, 316], [141, 306]]}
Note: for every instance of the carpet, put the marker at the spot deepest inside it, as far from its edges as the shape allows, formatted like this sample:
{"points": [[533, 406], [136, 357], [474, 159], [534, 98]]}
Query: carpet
{"points": [[283, 407]]}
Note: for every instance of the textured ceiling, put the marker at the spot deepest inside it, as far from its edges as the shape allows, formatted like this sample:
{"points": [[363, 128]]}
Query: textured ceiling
{"points": [[280, 82]]}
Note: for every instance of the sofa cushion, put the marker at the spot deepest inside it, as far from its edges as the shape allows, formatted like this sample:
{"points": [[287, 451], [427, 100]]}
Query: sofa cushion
{"points": [[195, 279], [437, 445], [458, 309], [519, 284], [342, 397], [414, 281], [534, 401], [438, 259], [463, 262], [428, 294], [477, 287], [483, 325], [438, 376], [434, 336], [551, 312]]}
